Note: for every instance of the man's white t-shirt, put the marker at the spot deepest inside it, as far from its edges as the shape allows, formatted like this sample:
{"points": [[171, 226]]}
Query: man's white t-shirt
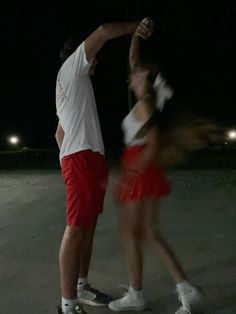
{"points": [[76, 106]]}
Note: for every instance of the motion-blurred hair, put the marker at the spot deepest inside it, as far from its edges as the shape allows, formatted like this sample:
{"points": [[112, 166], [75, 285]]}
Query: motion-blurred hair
{"points": [[187, 135]]}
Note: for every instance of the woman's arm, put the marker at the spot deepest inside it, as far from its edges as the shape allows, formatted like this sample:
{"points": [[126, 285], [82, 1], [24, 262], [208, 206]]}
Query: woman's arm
{"points": [[144, 30], [134, 53]]}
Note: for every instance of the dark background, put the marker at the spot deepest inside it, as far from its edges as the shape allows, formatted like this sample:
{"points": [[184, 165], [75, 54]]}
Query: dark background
{"points": [[195, 42]]}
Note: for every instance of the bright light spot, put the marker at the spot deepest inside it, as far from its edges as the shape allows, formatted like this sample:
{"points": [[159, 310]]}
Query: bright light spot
{"points": [[231, 135], [14, 140]]}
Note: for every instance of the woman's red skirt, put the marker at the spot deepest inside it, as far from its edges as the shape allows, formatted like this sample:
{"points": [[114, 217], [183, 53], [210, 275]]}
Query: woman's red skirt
{"points": [[150, 183]]}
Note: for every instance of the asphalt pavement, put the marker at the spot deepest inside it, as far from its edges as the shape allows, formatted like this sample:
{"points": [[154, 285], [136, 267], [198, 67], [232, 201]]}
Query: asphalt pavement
{"points": [[197, 219]]}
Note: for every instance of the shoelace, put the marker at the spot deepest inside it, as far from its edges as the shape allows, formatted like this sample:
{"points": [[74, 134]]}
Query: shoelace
{"points": [[183, 299], [124, 289], [183, 311], [78, 310]]}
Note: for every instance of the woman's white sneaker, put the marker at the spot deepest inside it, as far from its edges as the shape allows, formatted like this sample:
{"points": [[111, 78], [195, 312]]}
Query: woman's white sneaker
{"points": [[131, 301], [189, 296]]}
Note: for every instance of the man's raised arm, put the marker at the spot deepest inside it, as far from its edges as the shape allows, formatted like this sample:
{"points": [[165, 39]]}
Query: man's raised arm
{"points": [[105, 33]]}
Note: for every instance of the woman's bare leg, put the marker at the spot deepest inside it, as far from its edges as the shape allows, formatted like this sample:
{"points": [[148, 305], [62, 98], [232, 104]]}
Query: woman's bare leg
{"points": [[159, 245], [132, 238]]}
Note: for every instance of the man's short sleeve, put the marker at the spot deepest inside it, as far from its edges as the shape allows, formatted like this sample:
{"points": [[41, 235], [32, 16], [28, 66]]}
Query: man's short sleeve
{"points": [[77, 63]]}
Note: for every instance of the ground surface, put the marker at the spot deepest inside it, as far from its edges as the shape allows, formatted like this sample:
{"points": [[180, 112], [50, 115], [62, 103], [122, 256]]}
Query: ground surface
{"points": [[198, 219]]}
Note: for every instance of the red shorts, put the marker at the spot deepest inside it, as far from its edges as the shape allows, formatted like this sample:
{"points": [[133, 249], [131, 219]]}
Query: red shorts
{"points": [[150, 183], [85, 175]]}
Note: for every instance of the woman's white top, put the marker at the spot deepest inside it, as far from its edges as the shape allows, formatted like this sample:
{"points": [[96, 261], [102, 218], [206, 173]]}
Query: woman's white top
{"points": [[130, 126]]}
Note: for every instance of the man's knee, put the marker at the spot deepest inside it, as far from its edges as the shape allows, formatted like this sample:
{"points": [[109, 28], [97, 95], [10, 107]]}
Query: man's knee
{"points": [[74, 233]]}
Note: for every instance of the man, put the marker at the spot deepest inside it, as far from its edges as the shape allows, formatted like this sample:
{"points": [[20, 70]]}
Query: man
{"points": [[83, 167]]}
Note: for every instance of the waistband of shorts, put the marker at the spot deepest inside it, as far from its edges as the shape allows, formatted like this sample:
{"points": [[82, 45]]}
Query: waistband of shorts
{"points": [[84, 152]]}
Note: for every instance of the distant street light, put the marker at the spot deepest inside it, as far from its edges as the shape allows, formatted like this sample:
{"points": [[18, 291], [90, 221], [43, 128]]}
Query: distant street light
{"points": [[231, 135], [13, 140]]}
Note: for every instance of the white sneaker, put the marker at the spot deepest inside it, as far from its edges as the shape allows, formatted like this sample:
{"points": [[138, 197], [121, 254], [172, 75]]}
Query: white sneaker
{"points": [[189, 296], [131, 301], [90, 296], [181, 310]]}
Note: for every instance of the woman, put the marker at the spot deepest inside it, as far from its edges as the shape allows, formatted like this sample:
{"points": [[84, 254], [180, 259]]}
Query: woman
{"points": [[143, 184]]}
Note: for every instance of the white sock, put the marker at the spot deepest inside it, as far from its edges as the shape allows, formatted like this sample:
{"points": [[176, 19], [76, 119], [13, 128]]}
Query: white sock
{"points": [[183, 284], [68, 305], [136, 293], [82, 282]]}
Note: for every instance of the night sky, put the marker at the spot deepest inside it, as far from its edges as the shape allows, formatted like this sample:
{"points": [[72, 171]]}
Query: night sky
{"points": [[195, 42]]}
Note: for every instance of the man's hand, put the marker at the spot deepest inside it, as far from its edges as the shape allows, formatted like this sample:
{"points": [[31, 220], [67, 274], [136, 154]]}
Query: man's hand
{"points": [[145, 28]]}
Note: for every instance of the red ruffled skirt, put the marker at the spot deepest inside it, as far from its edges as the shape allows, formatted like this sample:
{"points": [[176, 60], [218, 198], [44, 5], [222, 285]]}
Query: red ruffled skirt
{"points": [[150, 183]]}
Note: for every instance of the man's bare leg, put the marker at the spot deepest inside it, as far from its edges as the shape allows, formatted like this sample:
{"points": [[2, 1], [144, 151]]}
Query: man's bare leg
{"points": [[86, 251], [69, 257]]}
